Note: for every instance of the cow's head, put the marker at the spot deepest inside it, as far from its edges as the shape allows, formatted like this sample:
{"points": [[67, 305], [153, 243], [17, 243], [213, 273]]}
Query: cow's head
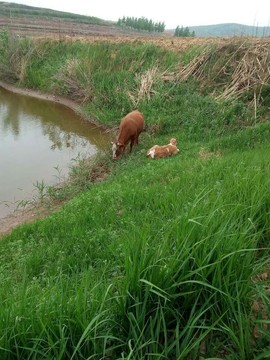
{"points": [[117, 150]]}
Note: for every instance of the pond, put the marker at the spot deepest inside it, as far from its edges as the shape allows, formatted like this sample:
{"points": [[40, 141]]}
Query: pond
{"points": [[39, 140]]}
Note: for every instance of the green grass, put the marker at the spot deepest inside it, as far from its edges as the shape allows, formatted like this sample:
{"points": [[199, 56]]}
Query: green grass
{"points": [[111, 79], [161, 259], [153, 261]]}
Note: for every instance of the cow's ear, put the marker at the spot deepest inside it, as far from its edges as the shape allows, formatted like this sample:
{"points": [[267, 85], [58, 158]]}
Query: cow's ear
{"points": [[112, 142]]}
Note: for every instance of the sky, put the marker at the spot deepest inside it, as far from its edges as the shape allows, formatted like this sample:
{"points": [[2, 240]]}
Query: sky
{"points": [[172, 12]]}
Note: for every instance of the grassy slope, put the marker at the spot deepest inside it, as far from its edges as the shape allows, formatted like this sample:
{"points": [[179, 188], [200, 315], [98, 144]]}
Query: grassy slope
{"points": [[13, 9], [159, 259]]}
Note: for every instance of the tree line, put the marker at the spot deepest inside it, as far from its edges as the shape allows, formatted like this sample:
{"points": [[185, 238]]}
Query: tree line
{"points": [[141, 24], [144, 24], [183, 32]]}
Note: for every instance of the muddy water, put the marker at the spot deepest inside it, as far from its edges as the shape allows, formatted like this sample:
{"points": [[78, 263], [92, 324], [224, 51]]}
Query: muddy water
{"points": [[38, 141]]}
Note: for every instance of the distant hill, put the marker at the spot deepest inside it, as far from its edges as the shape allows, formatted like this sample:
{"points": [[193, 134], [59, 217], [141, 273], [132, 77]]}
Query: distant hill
{"points": [[230, 30], [19, 10], [35, 21]]}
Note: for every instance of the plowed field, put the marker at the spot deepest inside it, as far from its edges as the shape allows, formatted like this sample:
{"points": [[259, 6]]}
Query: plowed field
{"points": [[60, 28]]}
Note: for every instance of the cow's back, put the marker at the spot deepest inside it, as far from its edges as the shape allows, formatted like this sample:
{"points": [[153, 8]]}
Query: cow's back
{"points": [[131, 125]]}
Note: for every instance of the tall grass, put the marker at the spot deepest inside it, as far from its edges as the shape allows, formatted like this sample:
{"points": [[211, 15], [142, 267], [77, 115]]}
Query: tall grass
{"points": [[111, 79], [164, 259], [150, 271]]}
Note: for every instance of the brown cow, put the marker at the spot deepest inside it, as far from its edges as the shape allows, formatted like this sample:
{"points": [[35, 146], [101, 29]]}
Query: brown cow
{"points": [[157, 151], [129, 130]]}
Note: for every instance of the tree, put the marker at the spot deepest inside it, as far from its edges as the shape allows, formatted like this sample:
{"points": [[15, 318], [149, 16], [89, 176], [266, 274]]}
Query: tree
{"points": [[141, 24], [183, 32]]}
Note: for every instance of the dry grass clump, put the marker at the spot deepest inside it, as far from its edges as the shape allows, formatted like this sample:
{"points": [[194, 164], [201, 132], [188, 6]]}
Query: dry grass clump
{"points": [[251, 72], [145, 85], [233, 69], [206, 154]]}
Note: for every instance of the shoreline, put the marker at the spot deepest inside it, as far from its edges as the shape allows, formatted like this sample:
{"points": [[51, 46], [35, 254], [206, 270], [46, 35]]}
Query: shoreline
{"points": [[39, 95], [19, 217], [76, 107]]}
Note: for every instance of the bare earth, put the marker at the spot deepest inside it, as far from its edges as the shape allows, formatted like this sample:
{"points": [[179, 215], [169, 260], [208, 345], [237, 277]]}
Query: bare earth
{"points": [[8, 223]]}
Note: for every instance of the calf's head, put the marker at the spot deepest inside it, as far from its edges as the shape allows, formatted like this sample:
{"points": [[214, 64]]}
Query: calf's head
{"points": [[173, 141], [117, 150]]}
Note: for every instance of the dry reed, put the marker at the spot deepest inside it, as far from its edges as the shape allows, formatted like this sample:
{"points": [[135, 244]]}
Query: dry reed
{"points": [[235, 68]]}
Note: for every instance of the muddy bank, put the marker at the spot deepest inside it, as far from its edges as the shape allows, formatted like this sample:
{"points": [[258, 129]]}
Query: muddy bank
{"points": [[19, 217], [37, 94], [54, 98]]}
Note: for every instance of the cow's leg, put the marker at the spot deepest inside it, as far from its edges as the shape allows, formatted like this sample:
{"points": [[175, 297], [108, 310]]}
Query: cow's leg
{"points": [[132, 141]]}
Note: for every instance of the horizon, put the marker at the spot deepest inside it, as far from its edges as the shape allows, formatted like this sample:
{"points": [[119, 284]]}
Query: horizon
{"points": [[172, 14]]}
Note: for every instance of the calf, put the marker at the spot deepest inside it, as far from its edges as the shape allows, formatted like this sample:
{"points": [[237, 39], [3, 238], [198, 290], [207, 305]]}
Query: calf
{"points": [[129, 130], [157, 151]]}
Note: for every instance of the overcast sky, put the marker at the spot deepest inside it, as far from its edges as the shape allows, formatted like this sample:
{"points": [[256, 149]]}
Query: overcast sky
{"points": [[172, 12]]}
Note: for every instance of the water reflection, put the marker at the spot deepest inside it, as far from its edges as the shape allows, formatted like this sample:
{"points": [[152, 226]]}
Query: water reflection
{"points": [[10, 118], [59, 123], [37, 136]]}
